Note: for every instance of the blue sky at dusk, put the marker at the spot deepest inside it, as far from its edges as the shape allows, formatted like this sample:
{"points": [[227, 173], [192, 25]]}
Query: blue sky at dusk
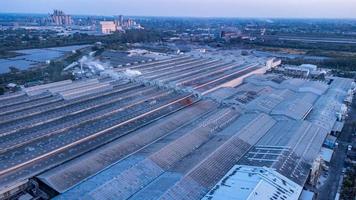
{"points": [[195, 8]]}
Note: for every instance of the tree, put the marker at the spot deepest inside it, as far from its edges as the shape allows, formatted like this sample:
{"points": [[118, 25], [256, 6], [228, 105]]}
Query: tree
{"points": [[14, 69], [2, 90]]}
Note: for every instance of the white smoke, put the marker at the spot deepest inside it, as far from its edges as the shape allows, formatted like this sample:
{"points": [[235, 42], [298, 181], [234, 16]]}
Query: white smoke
{"points": [[132, 73], [92, 53], [93, 64], [105, 69], [74, 64]]}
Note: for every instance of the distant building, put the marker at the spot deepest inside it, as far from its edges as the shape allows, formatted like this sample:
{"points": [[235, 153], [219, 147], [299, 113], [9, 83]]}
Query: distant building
{"points": [[119, 24], [230, 33], [120, 20], [273, 63], [296, 71], [59, 18], [304, 70], [309, 67], [129, 24], [108, 27]]}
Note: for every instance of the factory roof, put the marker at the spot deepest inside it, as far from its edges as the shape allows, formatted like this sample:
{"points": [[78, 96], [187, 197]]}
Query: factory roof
{"points": [[129, 139], [239, 132], [295, 109], [295, 105], [294, 84], [223, 93], [252, 183], [329, 105], [306, 111], [290, 147], [117, 58], [298, 99], [265, 103]]}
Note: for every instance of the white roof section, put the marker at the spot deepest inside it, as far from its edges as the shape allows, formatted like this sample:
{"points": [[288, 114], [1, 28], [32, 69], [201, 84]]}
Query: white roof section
{"points": [[307, 195], [326, 154], [309, 66], [254, 183]]}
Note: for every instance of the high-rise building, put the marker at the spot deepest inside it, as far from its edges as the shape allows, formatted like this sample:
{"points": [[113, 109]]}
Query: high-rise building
{"points": [[119, 24], [108, 27], [59, 18], [121, 20]]}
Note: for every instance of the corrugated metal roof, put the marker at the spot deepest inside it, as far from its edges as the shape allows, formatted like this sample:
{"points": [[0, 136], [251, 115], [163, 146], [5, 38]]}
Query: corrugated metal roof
{"points": [[295, 109], [265, 103], [271, 133], [290, 147], [294, 84], [325, 109]]}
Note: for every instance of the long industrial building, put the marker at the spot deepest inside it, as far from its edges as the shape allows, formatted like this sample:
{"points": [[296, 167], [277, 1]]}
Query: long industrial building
{"points": [[177, 128]]}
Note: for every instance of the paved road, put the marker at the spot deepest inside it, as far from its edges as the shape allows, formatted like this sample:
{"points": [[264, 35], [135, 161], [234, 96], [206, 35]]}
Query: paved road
{"points": [[330, 188], [350, 41]]}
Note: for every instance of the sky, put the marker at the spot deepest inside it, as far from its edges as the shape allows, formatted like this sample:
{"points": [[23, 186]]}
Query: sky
{"points": [[191, 8]]}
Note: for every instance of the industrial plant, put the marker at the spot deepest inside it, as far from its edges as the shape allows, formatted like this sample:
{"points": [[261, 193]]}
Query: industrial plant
{"points": [[209, 126], [119, 24], [59, 18]]}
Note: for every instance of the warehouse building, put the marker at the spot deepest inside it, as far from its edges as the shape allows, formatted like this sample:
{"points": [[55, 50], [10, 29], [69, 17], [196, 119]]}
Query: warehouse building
{"points": [[178, 128]]}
